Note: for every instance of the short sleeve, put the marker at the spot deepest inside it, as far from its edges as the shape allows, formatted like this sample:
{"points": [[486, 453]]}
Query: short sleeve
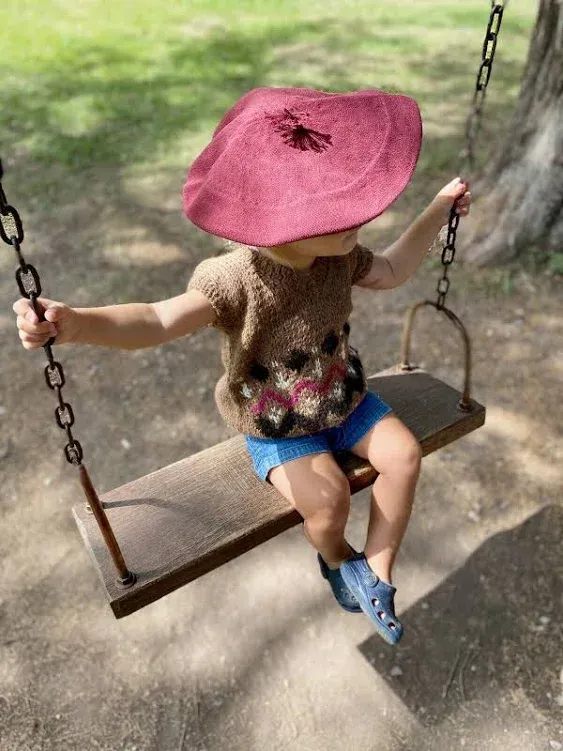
{"points": [[360, 260], [217, 279]]}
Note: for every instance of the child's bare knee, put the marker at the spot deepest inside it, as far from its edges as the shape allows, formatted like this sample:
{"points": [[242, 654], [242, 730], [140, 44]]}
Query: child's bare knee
{"points": [[333, 504], [412, 455], [403, 457], [408, 459]]}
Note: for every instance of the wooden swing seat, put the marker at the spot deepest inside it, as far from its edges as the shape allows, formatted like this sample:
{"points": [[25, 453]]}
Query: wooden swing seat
{"points": [[178, 523]]}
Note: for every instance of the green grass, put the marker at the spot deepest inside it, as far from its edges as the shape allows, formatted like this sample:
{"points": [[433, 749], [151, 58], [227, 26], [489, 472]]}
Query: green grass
{"points": [[130, 83]]}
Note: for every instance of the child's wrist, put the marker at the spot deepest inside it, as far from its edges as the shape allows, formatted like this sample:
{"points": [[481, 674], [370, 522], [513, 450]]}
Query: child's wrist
{"points": [[438, 211], [77, 326]]}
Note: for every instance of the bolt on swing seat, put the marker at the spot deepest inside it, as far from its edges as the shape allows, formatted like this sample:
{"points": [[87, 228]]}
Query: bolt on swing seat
{"points": [[186, 519]]}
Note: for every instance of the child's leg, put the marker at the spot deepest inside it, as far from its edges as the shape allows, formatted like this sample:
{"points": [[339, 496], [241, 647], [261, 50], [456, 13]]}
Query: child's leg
{"points": [[320, 492], [395, 453]]}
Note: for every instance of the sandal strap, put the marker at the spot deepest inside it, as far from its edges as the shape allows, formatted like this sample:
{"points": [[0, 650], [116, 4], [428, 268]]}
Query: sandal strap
{"points": [[377, 597], [339, 587]]}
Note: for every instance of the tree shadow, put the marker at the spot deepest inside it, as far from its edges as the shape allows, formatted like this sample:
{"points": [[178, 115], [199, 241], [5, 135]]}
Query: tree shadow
{"points": [[492, 627], [93, 105]]}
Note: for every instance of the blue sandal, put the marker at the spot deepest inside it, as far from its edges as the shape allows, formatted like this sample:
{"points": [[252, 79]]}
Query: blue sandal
{"points": [[374, 595], [343, 596]]}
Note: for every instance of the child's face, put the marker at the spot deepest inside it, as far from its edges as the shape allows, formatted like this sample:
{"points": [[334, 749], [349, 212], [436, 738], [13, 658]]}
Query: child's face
{"points": [[335, 244]]}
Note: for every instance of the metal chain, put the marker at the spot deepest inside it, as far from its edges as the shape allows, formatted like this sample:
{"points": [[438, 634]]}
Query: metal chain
{"points": [[11, 231], [471, 130], [483, 76], [448, 255]]}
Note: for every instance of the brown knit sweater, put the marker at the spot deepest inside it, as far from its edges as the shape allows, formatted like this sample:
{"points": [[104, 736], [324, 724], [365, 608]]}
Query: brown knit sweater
{"points": [[289, 369]]}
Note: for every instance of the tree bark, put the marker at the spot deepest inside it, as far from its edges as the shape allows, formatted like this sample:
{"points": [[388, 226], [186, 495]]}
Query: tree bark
{"points": [[519, 199]]}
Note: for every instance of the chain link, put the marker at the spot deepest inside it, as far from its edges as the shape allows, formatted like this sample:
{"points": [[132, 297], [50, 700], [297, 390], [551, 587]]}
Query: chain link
{"points": [[27, 277], [483, 76], [471, 130]]}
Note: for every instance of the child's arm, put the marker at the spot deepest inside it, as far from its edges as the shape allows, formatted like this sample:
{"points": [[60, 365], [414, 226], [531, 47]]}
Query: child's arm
{"points": [[399, 262], [128, 326]]}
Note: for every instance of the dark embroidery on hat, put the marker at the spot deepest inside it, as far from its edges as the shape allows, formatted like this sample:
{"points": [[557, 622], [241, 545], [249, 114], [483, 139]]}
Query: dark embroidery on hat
{"points": [[297, 135]]}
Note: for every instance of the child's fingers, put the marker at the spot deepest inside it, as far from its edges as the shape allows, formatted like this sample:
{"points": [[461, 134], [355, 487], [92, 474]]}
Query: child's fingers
{"points": [[42, 327], [32, 341], [456, 183], [463, 199], [23, 308], [53, 312], [25, 337], [454, 190], [464, 203], [459, 187]]}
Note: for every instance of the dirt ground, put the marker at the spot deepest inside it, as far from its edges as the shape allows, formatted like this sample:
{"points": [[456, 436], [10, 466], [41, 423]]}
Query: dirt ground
{"points": [[257, 655]]}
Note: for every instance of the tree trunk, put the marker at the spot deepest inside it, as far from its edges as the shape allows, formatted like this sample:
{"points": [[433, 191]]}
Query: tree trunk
{"points": [[519, 206]]}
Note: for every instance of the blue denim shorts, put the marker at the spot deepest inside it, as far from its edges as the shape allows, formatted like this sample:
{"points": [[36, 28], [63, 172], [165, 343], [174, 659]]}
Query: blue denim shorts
{"points": [[267, 453]]}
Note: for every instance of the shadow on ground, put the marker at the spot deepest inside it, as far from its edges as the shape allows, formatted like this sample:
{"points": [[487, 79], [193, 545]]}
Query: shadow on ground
{"points": [[493, 627]]}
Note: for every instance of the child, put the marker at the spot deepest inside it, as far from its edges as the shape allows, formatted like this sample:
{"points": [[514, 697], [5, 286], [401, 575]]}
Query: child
{"points": [[290, 175]]}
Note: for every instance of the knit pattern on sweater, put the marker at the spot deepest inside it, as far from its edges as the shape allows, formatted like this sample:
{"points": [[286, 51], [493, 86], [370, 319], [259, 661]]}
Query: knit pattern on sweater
{"points": [[289, 367]]}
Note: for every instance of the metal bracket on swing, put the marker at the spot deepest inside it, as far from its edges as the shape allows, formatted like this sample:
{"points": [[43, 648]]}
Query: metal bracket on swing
{"points": [[464, 403]]}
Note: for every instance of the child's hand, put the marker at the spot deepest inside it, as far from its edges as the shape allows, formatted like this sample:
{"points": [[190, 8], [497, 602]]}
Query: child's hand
{"points": [[61, 321], [444, 200]]}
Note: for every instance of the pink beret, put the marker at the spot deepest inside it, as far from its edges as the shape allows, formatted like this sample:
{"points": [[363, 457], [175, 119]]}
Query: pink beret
{"points": [[285, 164]]}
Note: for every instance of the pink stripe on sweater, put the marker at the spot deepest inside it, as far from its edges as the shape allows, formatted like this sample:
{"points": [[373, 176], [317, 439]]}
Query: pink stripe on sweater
{"points": [[288, 402]]}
